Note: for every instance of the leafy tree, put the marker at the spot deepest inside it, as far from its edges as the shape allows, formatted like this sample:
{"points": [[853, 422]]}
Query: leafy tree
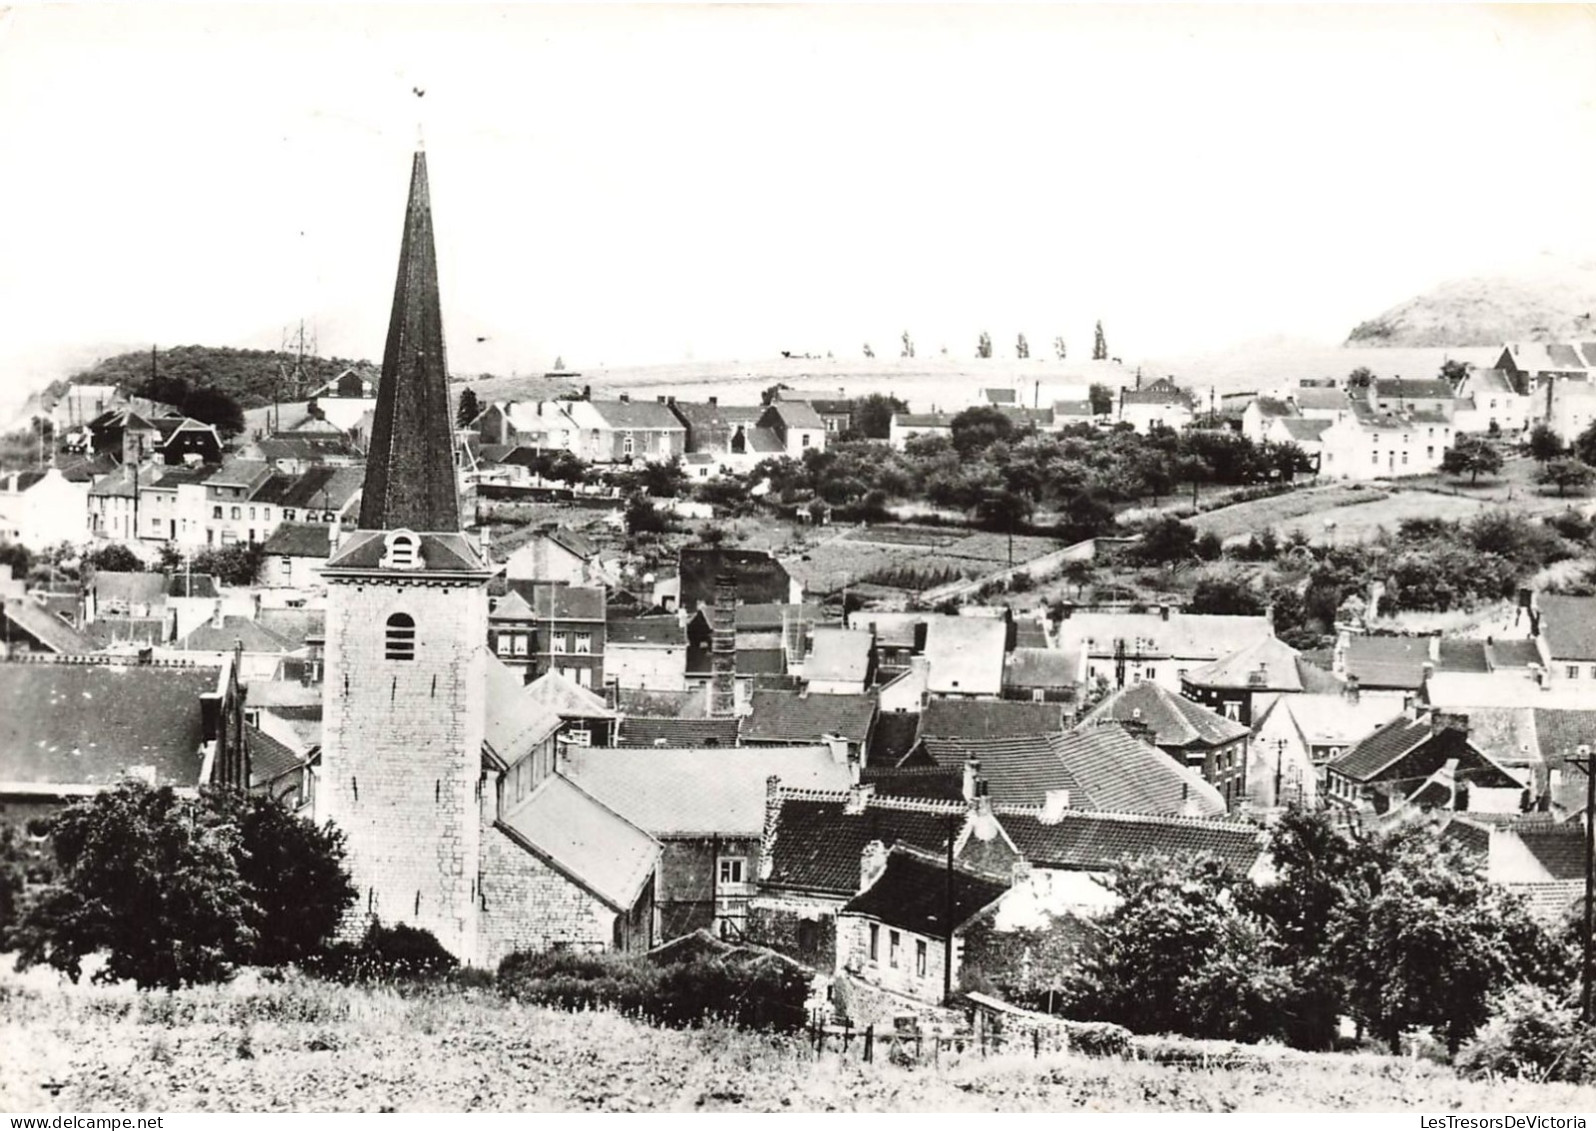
{"points": [[1004, 511], [643, 517], [1566, 473], [663, 479], [1225, 596], [1544, 443], [212, 406], [868, 352], [1584, 445], [1167, 542], [18, 557], [151, 879], [770, 394], [114, 558], [1078, 572], [1289, 616], [1059, 347], [1360, 378], [908, 345], [238, 564], [1453, 371], [872, 415], [1178, 954], [976, 429], [983, 347], [1022, 348], [1099, 344], [559, 364], [469, 408], [1471, 456], [1102, 398]]}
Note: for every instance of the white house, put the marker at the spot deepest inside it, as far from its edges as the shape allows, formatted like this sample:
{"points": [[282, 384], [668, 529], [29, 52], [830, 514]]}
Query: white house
{"points": [[39, 509], [907, 425], [1161, 403], [1368, 444], [1486, 397]]}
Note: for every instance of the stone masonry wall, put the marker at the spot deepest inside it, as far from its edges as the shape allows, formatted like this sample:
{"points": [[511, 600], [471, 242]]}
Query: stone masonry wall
{"points": [[401, 752], [853, 956], [528, 906]]}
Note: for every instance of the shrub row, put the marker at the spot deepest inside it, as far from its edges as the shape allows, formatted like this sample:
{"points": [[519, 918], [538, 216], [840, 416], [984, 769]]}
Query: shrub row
{"points": [[752, 992]]}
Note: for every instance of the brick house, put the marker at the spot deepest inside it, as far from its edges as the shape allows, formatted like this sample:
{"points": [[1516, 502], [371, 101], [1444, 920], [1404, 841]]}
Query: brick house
{"points": [[1209, 743], [1425, 760], [706, 807], [547, 626]]}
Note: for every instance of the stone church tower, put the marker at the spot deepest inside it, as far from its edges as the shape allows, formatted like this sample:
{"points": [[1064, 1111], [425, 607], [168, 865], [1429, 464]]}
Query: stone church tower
{"points": [[407, 609]]}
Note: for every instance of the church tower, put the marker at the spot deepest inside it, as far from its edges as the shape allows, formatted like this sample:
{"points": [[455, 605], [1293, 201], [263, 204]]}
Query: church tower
{"points": [[407, 609]]}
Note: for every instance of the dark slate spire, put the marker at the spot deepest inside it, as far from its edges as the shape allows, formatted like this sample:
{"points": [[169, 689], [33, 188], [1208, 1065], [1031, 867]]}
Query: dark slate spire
{"points": [[410, 478]]}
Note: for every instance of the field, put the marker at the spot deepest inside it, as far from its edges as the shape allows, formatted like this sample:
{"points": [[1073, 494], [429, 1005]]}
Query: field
{"points": [[303, 1046], [871, 551]]}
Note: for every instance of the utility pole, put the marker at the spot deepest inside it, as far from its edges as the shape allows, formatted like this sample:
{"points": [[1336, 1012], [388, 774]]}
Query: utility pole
{"points": [[1583, 761], [947, 916]]}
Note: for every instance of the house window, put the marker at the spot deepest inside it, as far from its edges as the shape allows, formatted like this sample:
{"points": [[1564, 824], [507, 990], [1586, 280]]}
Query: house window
{"points": [[401, 639], [237, 512], [1572, 671], [518, 643], [1150, 673], [875, 942], [1404, 459], [1429, 453], [288, 514], [286, 564], [628, 444], [919, 957], [584, 643], [502, 644], [1375, 457], [894, 946], [252, 514], [559, 643], [1233, 709], [731, 869], [806, 439]]}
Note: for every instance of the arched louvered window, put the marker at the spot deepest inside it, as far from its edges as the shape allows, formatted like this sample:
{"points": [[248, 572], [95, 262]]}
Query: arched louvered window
{"points": [[401, 638]]}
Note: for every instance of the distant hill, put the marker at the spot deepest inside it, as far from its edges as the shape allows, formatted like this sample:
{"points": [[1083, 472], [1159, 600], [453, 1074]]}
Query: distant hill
{"points": [[1550, 304], [250, 377]]}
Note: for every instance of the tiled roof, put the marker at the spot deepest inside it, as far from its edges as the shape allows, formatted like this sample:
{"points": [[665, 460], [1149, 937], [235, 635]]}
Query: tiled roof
{"points": [[1186, 636], [760, 577], [797, 414], [515, 722], [1392, 662], [300, 540], [1514, 654], [1318, 398], [1569, 626], [699, 792], [190, 585], [917, 893], [935, 783], [660, 632], [995, 718], [304, 719], [297, 626], [1176, 721], [1402, 388], [1268, 664], [109, 632], [1029, 632], [1382, 748], [818, 844], [585, 839], [1123, 774], [134, 588], [268, 758], [92, 724], [1159, 392], [647, 731], [48, 629], [788, 717], [894, 736], [1029, 668], [1304, 430], [838, 654], [212, 637], [1560, 849], [365, 549], [1018, 770], [636, 415], [1096, 842], [1454, 655], [566, 699], [999, 396], [965, 655], [922, 420], [1561, 731], [553, 601], [1272, 408]]}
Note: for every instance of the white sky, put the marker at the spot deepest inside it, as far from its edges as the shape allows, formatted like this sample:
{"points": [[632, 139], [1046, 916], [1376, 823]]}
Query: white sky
{"points": [[619, 184]]}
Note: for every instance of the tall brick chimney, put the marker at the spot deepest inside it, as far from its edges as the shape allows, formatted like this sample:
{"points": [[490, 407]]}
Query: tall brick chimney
{"points": [[723, 649]]}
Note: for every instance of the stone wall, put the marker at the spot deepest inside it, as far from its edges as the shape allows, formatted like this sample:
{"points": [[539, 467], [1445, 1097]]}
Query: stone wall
{"points": [[805, 931], [401, 751], [904, 977], [526, 905], [860, 1003]]}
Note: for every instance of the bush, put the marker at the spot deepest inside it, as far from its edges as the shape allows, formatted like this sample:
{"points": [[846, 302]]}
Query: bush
{"points": [[747, 989], [400, 953], [1533, 1035], [1098, 1038]]}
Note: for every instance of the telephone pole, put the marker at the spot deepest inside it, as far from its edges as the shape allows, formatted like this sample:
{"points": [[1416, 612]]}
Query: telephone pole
{"points": [[1583, 761]]}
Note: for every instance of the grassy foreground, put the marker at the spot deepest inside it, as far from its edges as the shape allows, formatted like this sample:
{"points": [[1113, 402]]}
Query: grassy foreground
{"points": [[306, 1046]]}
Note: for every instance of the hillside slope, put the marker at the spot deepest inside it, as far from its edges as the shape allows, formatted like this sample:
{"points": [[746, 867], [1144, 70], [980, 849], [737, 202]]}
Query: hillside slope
{"points": [[1551, 303], [251, 377]]}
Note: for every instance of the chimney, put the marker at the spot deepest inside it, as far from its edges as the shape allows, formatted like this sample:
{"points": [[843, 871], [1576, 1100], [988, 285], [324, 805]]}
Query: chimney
{"points": [[723, 654], [1350, 690], [216, 614], [1410, 709], [713, 401], [626, 398], [1019, 871], [660, 398], [839, 748], [210, 715], [587, 392], [972, 775], [1163, 612], [1429, 671], [981, 808], [872, 862], [858, 799], [1054, 804], [772, 819]]}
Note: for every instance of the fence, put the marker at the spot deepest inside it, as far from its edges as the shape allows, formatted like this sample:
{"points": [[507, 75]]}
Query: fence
{"points": [[918, 1047], [1037, 568]]}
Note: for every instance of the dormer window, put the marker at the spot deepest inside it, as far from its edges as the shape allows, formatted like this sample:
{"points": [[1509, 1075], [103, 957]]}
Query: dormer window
{"points": [[403, 550], [401, 637]]}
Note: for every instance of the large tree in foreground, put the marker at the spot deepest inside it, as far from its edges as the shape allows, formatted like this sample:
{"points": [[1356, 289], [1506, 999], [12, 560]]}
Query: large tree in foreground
{"points": [[1473, 457]]}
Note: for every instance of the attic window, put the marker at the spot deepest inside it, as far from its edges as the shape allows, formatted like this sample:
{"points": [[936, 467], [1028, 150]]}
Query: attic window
{"points": [[403, 550], [401, 637]]}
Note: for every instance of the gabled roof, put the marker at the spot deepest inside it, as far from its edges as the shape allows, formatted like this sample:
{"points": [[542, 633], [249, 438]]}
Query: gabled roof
{"points": [[1159, 392], [1391, 662], [794, 414], [895, 735], [211, 637], [1403, 388], [109, 632], [586, 840], [1019, 770], [268, 758], [297, 626], [839, 654], [1176, 722], [632, 414], [917, 893], [318, 488], [1272, 408], [551, 601], [566, 699], [933, 783], [1334, 720], [443, 553], [699, 792], [817, 843], [965, 655], [1269, 664], [692, 734], [300, 540], [1041, 668], [1559, 848], [45, 627], [1123, 774], [1569, 626], [134, 588], [659, 632], [515, 721], [1454, 655], [1000, 396], [192, 585], [1186, 636], [93, 724], [1097, 841], [790, 717], [922, 420], [995, 718], [1559, 732], [1305, 431], [1317, 397]]}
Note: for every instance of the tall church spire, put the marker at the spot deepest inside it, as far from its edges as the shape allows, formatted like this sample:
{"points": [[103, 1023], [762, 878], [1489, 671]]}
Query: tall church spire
{"points": [[410, 476]]}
